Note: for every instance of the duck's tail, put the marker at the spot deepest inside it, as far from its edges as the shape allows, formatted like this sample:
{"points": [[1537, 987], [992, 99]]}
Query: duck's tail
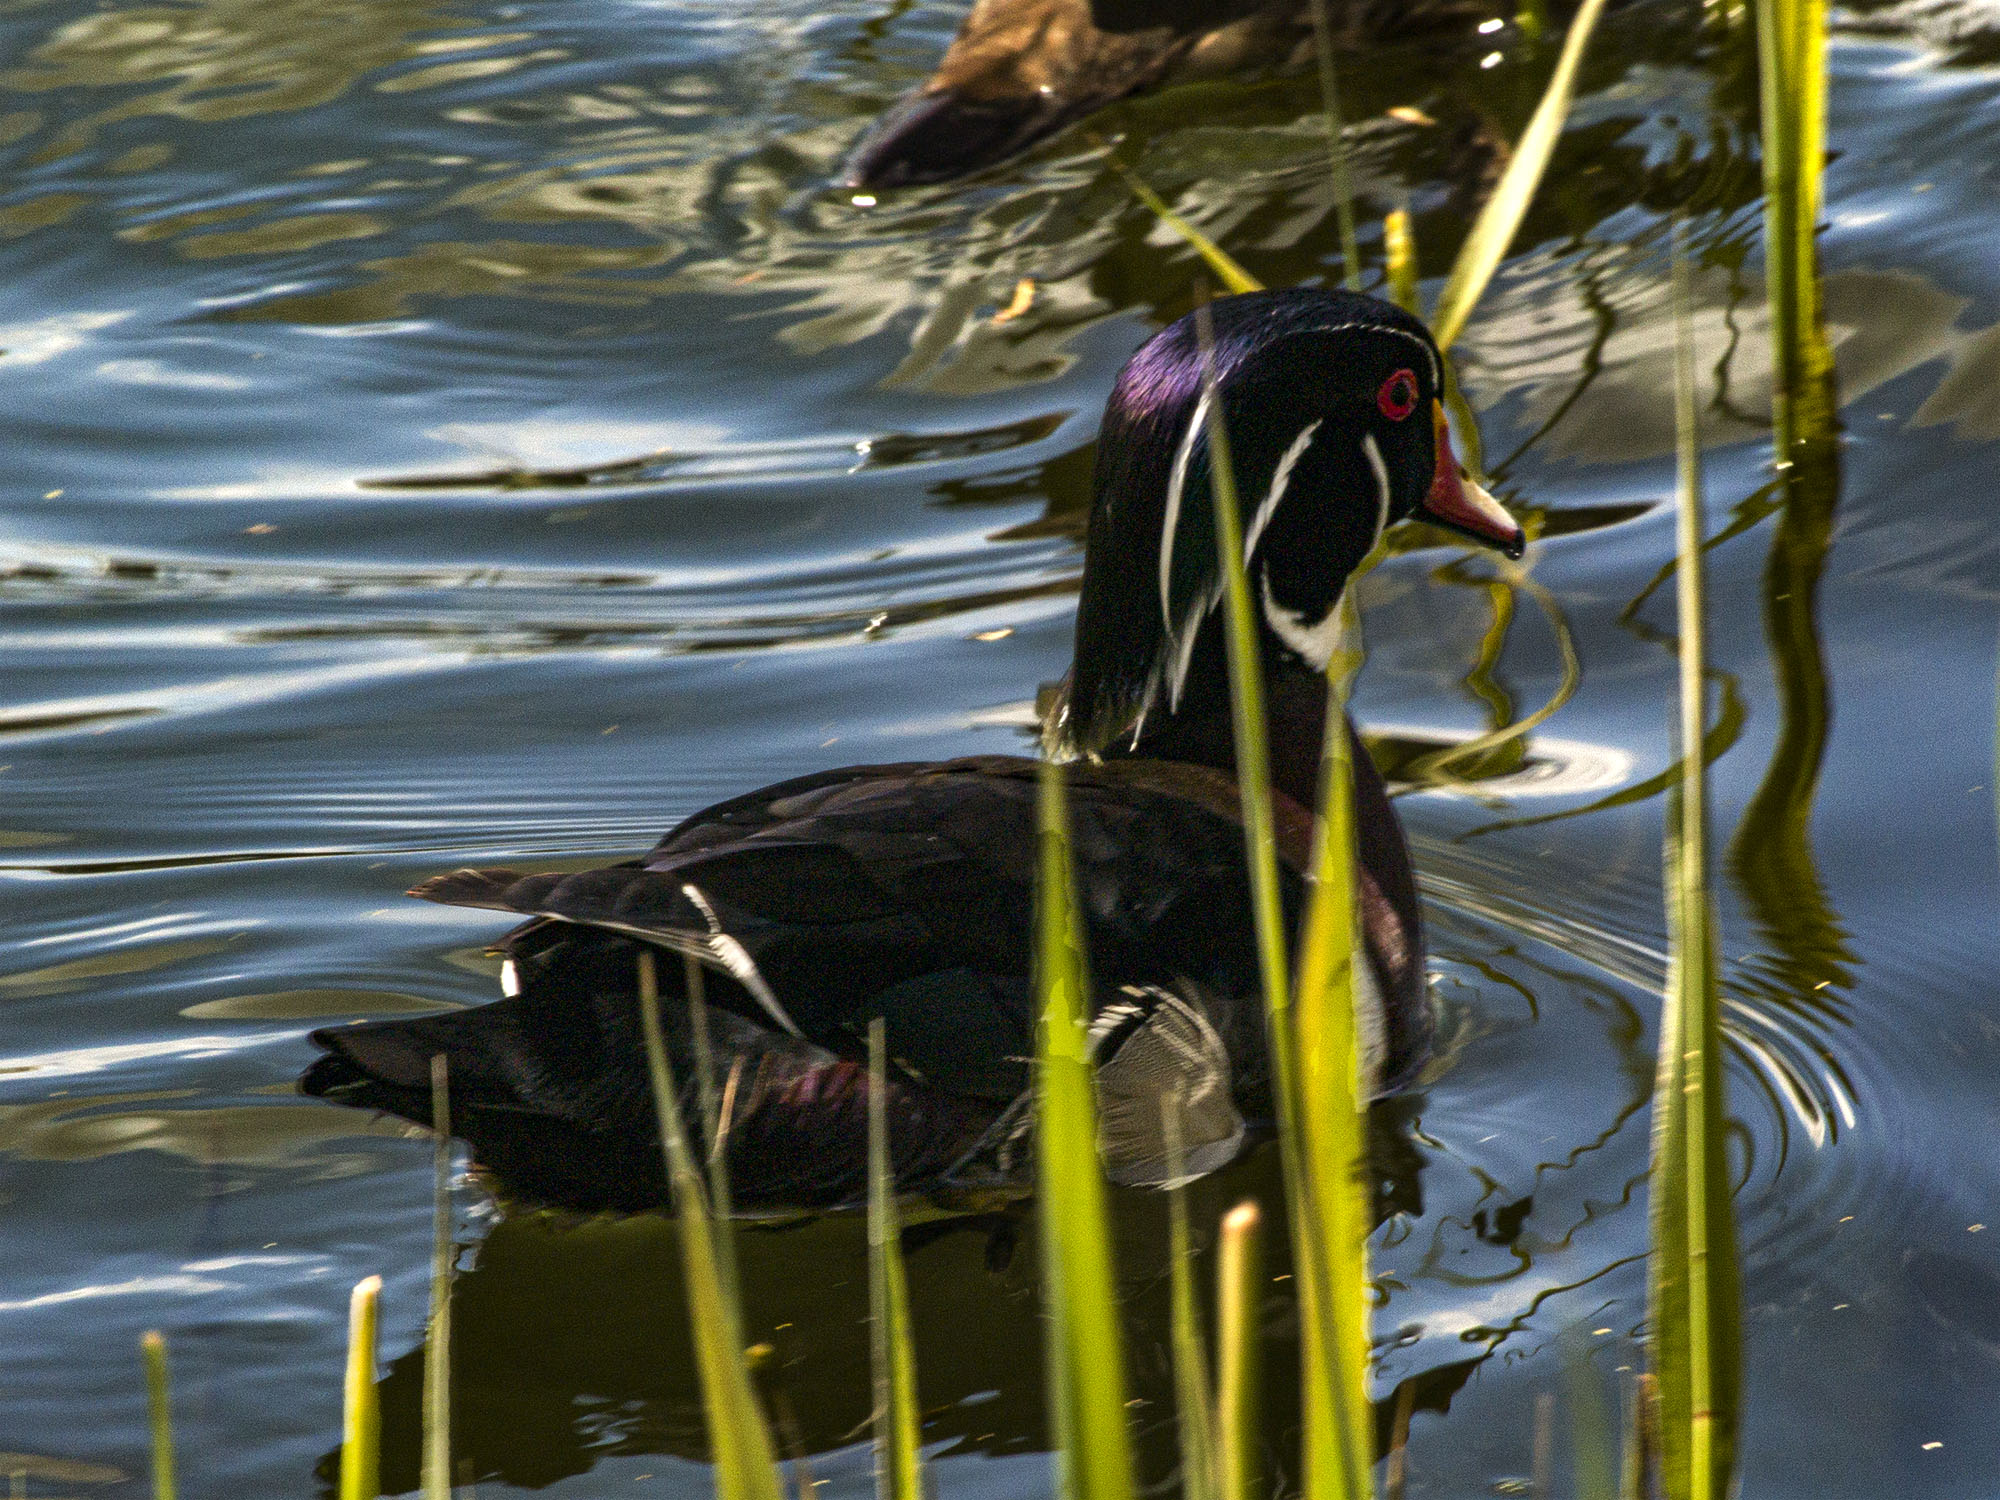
{"points": [[549, 1086]]}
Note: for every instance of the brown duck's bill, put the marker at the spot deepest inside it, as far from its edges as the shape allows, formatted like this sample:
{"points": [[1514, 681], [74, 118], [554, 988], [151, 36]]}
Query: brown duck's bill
{"points": [[936, 136], [1457, 502]]}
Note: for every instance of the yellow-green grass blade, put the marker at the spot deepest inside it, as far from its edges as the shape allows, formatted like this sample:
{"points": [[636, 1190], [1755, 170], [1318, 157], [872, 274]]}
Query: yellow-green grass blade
{"points": [[1770, 854], [1636, 1460], [437, 1353], [1336, 146], [1694, 1302], [1593, 1433], [361, 1422], [1086, 1354], [1190, 1354], [1324, 1469], [746, 1466], [1226, 270], [1399, 249], [159, 1412], [1493, 231], [1791, 62], [898, 1462], [1239, 1297], [1332, 1094], [722, 1206]]}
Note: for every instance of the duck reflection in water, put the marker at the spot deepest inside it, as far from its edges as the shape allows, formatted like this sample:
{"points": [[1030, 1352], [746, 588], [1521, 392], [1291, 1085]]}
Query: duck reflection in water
{"points": [[557, 1366]]}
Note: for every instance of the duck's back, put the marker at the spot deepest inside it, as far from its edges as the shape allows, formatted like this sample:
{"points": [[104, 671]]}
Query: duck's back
{"points": [[815, 906]]}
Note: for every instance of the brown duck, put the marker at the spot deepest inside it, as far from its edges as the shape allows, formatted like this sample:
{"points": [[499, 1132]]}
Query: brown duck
{"points": [[1020, 70]]}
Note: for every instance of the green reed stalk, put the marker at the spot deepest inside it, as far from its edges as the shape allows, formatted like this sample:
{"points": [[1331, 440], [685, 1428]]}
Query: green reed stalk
{"points": [[1227, 271], [1336, 148], [722, 1205], [437, 1356], [1191, 1384], [1493, 231], [1239, 1296], [1640, 1455], [1086, 1353], [1593, 1435], [746, 1465], [1770, 856], [159, 1412], [1791, 66], [1330, 1460], [361, 1425], [1333, 1094], [1399, 249], [1694, 1298], [898, 1461]]}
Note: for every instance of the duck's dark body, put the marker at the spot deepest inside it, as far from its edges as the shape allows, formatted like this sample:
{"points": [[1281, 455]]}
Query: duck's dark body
{"points": [[1020, 70], [906, 892], [899, 891]]}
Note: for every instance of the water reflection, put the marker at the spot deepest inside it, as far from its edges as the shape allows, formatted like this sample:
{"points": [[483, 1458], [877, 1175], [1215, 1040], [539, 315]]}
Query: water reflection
{"points": [[556, 1365], [90, 1127], [622, 353]]}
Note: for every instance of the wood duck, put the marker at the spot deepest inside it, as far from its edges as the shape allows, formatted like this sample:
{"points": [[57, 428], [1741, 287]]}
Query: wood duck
{"points": [[904, 892], [1020, 70]]}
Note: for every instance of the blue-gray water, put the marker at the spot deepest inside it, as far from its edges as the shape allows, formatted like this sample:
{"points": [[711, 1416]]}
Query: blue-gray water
{"points": [[776, 491]]}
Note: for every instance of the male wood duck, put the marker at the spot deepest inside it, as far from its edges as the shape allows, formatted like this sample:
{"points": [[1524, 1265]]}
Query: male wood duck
{"points": [[1020, 70], [904, 892]]}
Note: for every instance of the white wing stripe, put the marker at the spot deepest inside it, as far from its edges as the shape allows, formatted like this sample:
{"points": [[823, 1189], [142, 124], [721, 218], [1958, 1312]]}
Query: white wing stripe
{"points": [[736, 961]]}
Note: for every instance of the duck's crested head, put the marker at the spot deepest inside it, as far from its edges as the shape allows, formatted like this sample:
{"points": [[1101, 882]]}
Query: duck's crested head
{"points": [[1332, 407]]}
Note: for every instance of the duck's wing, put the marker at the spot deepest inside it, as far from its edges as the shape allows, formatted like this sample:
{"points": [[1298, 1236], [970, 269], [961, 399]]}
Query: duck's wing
{"points": [[905, 892], [902, 892], [814, 907]]}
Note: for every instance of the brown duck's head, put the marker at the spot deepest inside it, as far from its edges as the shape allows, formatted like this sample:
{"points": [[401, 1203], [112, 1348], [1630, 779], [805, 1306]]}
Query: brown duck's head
{"points": [[1331, 403]]}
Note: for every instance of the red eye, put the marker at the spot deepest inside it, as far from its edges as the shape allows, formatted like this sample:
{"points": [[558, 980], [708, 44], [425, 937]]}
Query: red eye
{"points": [[1398, 396]]}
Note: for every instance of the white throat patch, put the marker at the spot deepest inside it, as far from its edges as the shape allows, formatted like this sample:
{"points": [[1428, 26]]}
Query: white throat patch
{"points": [[1313, 640]]}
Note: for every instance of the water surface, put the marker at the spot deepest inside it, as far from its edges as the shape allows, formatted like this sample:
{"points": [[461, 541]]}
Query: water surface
{"points": [[474, 432]]}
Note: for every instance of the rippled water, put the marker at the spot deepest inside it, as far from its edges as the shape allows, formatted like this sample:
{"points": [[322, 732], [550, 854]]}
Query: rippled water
{"points": [[447, 432]]}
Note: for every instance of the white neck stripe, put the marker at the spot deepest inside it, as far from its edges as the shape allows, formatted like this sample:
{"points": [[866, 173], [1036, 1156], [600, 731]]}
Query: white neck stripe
{"points": [[1369, 447], [1279, 481], [1170, 523]]}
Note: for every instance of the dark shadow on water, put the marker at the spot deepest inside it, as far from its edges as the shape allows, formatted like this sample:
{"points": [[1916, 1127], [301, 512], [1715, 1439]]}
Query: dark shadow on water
{"points": [[570, 1339]]}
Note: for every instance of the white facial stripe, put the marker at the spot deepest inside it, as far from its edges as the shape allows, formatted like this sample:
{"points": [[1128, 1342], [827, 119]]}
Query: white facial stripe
{"points": [[1171, 522], [1314, 640], [1368, 446], [1184, 654], [1430, 356], [1279, 480]]}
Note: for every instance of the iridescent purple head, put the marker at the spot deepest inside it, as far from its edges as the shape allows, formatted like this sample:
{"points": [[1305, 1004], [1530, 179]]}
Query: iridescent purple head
{"points": [[1331, 404]]}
